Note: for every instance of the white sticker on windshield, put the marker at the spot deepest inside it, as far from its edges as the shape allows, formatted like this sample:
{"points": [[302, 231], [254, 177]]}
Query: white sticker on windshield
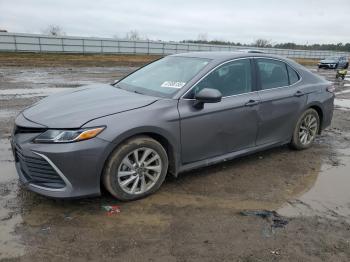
{"points": [[173, 84]]}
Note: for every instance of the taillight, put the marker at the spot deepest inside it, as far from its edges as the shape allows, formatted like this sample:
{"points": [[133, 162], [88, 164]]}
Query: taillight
{"points": [[331, 88]]}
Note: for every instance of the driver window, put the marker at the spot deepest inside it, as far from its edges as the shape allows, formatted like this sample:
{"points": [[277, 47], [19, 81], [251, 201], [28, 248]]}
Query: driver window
{"points": [[230, 79]]}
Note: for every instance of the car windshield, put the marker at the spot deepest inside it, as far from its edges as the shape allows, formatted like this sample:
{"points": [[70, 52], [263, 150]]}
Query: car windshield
{"points": [[164, 77], [332, 58]]}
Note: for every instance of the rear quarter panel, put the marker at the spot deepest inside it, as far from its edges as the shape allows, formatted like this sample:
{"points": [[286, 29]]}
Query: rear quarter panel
{"points": [[315, 87]]}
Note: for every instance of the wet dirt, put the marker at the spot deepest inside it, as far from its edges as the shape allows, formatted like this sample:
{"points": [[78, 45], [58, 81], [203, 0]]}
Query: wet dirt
{"points": [[195, 217]]}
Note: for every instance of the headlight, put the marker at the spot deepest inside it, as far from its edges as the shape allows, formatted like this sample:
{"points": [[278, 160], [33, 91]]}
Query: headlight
{"points": [[65, 136]]}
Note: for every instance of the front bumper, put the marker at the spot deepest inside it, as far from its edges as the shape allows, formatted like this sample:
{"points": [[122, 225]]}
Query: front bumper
{"points": [[68, 170], [327, 65]]}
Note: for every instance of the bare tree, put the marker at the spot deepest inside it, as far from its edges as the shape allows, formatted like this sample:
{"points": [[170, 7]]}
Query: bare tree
{"points": [[135, 35], [262, 43], [54, 30]]}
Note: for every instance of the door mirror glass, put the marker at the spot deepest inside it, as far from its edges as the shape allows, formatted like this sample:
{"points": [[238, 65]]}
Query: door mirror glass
{"points": [[207, 95]]}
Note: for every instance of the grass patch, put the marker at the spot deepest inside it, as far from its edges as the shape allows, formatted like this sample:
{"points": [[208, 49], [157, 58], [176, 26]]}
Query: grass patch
{"points": [[90, 60], [306, 61]]}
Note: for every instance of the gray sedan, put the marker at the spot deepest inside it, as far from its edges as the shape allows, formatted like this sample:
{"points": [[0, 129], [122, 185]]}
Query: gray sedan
{"points": [[181, 112]]}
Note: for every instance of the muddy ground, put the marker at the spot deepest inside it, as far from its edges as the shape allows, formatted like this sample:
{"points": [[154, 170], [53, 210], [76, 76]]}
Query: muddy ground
{"points": [[196, 217]]}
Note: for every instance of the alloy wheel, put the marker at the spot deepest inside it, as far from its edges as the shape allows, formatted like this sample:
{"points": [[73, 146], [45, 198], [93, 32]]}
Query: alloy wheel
{"points": [[139, 171], [308, 129]]}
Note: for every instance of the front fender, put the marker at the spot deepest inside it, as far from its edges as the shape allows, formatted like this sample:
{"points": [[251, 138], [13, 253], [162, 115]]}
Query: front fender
{"points": [[160, 119]]}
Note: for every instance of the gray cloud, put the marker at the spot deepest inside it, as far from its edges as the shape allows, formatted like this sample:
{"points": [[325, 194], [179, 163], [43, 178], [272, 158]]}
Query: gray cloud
{"points": [[300, 21]]}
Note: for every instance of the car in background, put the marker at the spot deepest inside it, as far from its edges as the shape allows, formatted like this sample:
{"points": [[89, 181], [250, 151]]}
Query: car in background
{"points": [[334, 62], [178, 113]]}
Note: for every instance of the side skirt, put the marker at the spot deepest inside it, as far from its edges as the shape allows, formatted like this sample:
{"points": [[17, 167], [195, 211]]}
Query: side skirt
{"points": [[229, 156]]}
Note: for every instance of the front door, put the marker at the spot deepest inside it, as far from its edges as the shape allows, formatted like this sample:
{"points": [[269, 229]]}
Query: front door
{"points": [[222, 127]]}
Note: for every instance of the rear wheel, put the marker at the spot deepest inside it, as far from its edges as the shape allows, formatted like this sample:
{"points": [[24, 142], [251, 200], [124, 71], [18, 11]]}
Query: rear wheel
{"points": [[137, 168], [306, 130]]}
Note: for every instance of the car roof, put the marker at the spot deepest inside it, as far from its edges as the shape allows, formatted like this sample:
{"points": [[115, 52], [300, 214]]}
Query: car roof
{"points": [[224, 55]]}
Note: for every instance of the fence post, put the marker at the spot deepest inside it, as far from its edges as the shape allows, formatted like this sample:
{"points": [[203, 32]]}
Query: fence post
{"points": [[83, 46], [39, 44], [14, 38], [101, 47], [62, 44]]}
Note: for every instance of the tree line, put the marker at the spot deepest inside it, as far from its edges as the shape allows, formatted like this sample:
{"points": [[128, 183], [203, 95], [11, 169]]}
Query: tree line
{"points": [[268, 43], [135, 35]]}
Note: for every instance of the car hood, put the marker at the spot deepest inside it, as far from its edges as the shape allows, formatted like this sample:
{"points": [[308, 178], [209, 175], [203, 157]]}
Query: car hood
{"points": [[329, 61], [74, 108]]}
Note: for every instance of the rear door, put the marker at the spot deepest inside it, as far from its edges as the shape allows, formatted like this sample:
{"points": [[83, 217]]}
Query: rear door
{"points": [[281, 100], [222, 127]]}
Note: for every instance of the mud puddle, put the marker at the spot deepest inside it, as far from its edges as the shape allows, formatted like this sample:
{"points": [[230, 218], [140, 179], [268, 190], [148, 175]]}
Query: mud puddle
{"points": [[10, 245], [29, 92], [329, 196], [342, 103], [7, 168], [61, 76], [7, 113]]}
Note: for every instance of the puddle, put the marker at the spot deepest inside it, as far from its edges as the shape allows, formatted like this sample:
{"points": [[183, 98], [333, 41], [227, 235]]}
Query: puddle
{"points": [[7, 113], [329, 196], [10, 245], [344, 103], [62, 76], [7, 167], [30, 92], [342, 92]]}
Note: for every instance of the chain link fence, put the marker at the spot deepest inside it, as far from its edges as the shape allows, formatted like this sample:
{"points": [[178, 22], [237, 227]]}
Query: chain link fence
{"points": [[17, 42]]}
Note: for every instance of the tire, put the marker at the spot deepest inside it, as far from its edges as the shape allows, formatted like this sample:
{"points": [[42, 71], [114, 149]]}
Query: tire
{"points": [[129, 179], [306, 130]]}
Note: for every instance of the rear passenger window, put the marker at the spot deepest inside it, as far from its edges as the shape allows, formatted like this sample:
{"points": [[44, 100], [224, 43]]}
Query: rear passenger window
{"points": [[293, 76], [273, 73]]}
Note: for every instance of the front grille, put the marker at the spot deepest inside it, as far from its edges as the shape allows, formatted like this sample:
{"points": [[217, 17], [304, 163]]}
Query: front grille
{"points": [[38, 171], [22, 130]]}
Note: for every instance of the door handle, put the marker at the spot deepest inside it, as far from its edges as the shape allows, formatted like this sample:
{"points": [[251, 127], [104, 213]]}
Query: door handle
{"points": [[252, 102], [299, 93]]}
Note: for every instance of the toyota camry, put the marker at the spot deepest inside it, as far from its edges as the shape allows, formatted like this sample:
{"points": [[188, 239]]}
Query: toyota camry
{"points": [[178, 113]]}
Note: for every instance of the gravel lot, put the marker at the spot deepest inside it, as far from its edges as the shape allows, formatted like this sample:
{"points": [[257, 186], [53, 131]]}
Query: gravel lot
{"points": [[196, 217]]}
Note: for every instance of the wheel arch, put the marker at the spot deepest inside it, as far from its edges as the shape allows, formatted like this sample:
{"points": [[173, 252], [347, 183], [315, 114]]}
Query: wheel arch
{"points": [[159, 135], [319, 111]]}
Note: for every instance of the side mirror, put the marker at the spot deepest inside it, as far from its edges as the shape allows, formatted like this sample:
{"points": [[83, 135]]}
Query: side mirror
{"points": [[207, 95]]}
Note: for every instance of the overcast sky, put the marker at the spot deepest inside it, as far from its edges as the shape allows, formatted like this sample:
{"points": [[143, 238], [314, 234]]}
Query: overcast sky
{"points": [[299, 21]]}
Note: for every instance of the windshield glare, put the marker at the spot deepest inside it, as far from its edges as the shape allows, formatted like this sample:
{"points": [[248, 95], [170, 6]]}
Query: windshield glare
{"points": [[332, 58], [163, 77]]}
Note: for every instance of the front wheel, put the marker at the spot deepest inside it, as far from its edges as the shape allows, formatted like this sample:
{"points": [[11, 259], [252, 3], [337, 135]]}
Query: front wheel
{"points": [[306, 130], [135, 169]]}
